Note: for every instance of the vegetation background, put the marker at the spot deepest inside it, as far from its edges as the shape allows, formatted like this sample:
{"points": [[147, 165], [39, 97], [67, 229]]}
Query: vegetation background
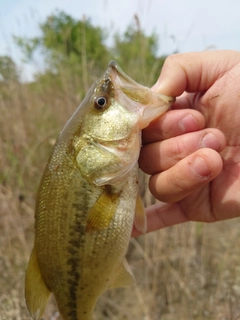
{"points": [[190, 271]]}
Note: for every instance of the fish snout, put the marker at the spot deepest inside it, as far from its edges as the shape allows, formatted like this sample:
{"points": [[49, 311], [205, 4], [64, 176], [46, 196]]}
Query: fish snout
{"points": [[138, 98]]}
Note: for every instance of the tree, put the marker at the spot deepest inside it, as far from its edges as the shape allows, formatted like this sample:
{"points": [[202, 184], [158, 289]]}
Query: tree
{"points": [[8, 70], [75, 53], [72, 48]]}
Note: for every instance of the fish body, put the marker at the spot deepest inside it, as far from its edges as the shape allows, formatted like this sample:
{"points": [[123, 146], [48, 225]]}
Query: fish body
{"points": [[88, 198]]}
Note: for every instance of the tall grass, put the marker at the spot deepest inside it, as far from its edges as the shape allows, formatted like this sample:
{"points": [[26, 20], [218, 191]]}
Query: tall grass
{"points": [[190, 271]]}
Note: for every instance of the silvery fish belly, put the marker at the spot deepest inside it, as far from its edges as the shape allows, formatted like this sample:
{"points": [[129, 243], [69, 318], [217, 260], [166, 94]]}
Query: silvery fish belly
{"points": [[88, 198]]}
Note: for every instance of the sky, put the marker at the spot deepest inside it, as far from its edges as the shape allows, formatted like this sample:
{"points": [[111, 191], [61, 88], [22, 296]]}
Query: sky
{"points": [[182, 26]]}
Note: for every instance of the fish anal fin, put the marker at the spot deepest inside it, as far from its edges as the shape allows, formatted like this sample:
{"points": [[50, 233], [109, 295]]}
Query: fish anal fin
{"points": [[36, 291], [124, 276], [102, 213], [140, 220]]}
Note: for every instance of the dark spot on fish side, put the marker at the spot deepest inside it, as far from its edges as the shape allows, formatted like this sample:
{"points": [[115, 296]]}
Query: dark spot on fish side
{"points": [[71, 261], [73, 297], [72, 250], [72, 314], [77, 206], [72, 282], [74, 242]]}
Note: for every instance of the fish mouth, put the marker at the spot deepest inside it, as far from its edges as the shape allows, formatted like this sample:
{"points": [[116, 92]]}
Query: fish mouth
{"points": [[148, 104]]}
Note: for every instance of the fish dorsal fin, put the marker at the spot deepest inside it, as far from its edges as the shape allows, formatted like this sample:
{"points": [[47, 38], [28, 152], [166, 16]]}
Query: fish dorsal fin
{"points": [[124, 276], [101, 214], [140, 220], [36, 291]]}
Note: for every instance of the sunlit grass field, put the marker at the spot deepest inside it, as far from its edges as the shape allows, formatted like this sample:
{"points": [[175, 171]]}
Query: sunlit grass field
{"points": [[190, 271]]}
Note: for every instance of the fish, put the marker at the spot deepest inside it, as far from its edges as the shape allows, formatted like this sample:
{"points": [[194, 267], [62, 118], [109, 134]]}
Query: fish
{"points": [[88, 200]]}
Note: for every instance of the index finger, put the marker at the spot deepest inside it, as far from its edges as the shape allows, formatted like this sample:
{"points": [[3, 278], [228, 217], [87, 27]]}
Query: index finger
{"points": [[173, 123]]}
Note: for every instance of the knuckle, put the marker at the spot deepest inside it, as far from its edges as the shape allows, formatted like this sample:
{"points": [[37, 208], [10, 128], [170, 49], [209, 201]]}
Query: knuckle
{"points": [[176, 150], [172, 58], [174, 181]]}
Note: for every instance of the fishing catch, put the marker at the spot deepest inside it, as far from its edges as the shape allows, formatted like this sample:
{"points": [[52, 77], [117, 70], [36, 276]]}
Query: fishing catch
{"points": [[88, 199]]}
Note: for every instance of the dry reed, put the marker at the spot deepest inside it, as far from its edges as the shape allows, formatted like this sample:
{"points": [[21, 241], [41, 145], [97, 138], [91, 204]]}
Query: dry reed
{"points": [[190, 271]]}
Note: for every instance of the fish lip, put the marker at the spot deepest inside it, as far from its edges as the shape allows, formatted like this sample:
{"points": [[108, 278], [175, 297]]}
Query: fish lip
{"points": [[148, 104], [114, 66]]}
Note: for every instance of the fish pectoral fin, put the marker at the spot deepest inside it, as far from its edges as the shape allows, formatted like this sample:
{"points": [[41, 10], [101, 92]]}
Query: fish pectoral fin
{"points": [[36, 291], [102, 213], [140, 220], [124, 276]]}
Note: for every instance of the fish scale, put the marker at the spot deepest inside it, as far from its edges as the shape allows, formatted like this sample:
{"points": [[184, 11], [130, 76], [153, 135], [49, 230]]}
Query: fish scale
{"points": [[87, 198]]}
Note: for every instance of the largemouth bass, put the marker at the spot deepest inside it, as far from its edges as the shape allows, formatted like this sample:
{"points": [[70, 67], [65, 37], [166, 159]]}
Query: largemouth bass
{"points": [[88, 198]]}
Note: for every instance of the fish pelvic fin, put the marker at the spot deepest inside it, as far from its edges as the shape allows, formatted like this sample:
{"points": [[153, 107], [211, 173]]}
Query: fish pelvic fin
{"points": [[36, 291], [124, 276], [140, 220]]}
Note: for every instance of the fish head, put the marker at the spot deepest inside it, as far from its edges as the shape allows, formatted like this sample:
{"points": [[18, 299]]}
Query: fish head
{"points": [[113, 114], [138, 99]]}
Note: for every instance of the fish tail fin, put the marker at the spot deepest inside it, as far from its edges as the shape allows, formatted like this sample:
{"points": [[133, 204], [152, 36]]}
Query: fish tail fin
{"points": [[36, 291]]}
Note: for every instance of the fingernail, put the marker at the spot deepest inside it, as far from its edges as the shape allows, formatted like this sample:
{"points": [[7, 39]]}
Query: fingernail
{"points": [[188, 124], [200, 167], [210, 141]]}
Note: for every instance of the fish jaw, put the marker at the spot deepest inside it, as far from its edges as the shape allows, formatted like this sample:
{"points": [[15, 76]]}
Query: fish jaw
{"points": [[139, 99]]}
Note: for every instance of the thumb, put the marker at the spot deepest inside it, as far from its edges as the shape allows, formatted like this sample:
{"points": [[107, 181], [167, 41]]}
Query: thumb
{"points": [[194, 72]]}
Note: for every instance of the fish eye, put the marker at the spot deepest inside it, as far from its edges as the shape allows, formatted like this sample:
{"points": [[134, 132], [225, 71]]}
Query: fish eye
{"points": [[100, 102]]}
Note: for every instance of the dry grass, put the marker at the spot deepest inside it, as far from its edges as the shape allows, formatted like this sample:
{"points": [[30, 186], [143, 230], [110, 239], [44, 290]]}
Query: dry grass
{"points": [[184, 272]]}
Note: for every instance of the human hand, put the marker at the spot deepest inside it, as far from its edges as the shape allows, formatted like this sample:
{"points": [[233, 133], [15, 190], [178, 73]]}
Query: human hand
{"points": [[192, 152]]}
